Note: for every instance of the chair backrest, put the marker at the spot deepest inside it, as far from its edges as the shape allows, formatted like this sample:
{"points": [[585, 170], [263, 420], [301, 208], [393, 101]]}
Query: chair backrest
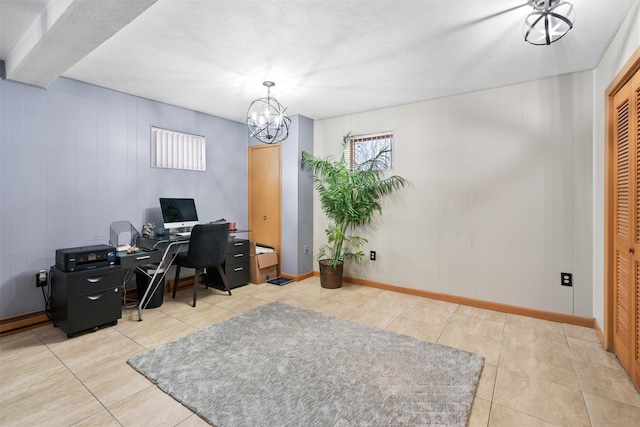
{"points": [[207, 245]]}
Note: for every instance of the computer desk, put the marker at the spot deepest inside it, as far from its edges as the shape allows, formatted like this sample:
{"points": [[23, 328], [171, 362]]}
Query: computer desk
{"points": [[157, 251], [161, 251]]}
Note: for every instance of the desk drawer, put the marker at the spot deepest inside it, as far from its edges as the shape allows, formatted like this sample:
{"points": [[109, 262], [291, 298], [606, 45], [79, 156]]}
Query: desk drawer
{"points": [[89, 311], [92, 281], [236, 265], [237, 275], [237, 245], [152, 256], [237, 258], [86, 299]]}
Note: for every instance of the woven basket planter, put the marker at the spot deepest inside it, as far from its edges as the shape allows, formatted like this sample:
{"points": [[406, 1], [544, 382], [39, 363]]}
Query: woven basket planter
{"points": [[330, 278]]}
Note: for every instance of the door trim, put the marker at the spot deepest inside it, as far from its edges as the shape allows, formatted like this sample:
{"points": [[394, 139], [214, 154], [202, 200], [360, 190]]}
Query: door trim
{"points": [[624, 75]]}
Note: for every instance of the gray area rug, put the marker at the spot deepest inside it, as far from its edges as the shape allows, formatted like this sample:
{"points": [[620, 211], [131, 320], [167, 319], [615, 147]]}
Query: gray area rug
{"points": [[280, 365]]}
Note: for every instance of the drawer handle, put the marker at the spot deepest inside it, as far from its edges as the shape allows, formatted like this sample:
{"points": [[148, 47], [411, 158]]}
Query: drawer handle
{"points": [[238, 244], [140, 258], [238, 255], [95, 297], [94, 279], [238, 269]]}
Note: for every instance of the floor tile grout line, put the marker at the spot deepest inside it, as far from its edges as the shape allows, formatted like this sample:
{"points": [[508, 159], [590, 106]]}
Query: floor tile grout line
{"points": [[302, 292], [82, 383], [495, 380]]}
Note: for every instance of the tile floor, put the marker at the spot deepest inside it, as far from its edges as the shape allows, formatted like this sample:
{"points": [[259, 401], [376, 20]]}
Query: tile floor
{"points": [[536, 373]]}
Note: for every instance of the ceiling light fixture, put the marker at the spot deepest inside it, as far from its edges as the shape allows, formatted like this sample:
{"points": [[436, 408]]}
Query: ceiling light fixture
{"points": [[549, 21], [267, 119]]}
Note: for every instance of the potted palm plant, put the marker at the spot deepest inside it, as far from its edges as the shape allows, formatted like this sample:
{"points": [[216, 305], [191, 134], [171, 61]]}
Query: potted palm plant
{"points": [[349, 199]]}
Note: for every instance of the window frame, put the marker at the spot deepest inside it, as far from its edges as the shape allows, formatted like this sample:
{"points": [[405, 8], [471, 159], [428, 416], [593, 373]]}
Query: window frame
{"points": [[352, 141]]}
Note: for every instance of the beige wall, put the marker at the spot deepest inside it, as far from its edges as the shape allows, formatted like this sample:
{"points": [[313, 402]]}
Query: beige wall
{"points": [[507, 189], [500, 200], [620, 50]]}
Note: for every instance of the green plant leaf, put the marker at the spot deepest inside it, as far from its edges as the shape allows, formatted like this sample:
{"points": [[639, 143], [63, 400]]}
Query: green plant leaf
{"points": [[349, 199]]}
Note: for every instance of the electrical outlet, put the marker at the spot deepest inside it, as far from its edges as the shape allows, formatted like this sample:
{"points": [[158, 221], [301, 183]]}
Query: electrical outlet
{"points": [[566, 279], [41, 278], [372, 255]]}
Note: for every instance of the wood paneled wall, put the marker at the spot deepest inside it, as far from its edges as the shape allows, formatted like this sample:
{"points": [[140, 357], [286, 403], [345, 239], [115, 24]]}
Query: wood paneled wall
{"points": [[76, 157], [500, 197]]}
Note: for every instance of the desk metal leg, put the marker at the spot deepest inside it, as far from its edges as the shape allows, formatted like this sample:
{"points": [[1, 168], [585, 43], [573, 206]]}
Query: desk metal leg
{"points": [[155, 280]]}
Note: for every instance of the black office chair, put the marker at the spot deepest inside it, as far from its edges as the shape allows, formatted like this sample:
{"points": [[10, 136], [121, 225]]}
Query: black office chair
{"points": [[207, 246]]}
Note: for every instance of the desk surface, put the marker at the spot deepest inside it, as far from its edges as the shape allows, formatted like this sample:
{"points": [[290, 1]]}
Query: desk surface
{"points": [[145, 242], [174, 238]]}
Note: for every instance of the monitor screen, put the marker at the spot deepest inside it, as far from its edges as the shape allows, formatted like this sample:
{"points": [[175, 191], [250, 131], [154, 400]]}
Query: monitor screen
{"points": [[178, 213]]}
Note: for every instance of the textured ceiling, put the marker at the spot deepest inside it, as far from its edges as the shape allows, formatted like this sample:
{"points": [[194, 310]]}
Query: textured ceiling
{"points": [[328, 58]]}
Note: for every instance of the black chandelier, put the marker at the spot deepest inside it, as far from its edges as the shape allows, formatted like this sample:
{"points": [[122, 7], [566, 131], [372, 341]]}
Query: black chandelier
{"points": [[267, 119], [549, 21]]}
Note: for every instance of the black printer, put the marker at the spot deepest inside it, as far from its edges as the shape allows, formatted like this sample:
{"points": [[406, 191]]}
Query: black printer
{"points": [[85, 257]]}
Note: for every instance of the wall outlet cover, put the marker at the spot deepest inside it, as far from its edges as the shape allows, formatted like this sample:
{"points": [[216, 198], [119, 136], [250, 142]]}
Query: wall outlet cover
{"points": [[566, 279]]}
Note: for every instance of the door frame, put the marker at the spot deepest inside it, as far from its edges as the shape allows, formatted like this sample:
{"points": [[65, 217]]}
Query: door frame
{"points": [[623, 76]]}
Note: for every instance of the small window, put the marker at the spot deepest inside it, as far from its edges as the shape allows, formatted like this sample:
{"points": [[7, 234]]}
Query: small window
{"points": [[177, 150], [361, 151]]}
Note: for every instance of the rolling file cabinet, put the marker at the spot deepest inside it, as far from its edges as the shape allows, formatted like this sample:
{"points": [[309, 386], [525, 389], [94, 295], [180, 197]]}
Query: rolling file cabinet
{"points": [[86, 299], [236, 265]]}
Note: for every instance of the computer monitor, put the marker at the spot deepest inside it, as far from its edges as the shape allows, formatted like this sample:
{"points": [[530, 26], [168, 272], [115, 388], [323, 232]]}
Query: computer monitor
{"points": [[178, 213]]}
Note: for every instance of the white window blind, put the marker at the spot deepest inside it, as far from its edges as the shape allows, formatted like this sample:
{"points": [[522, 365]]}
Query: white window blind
{"points": [[362, 148], [177, 150]]}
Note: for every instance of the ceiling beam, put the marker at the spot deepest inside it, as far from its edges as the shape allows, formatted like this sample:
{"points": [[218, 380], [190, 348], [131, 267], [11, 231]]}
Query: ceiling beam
{"points": [[64, 33]]}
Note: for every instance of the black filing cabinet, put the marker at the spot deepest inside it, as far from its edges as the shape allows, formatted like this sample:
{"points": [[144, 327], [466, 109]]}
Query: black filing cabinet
{"points": [[236, 265], [86, 299]]}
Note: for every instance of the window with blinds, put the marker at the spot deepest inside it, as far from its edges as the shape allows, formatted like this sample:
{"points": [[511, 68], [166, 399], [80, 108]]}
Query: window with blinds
{"points": [[177, 150], [361, 151]]}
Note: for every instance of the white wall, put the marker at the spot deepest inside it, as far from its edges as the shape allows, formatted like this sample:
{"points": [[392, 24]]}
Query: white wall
{"points": [[500, 196], [620, 50]]}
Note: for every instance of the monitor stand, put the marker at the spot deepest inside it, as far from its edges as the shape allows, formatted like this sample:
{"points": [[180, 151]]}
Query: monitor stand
{"points": [[180, 231]]}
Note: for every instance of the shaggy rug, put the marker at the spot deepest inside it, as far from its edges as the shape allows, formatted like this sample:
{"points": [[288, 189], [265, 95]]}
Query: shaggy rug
{"points": [[280, 365]]}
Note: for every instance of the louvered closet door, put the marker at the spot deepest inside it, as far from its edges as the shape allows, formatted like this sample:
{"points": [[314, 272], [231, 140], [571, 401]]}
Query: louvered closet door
{"points": [[627, 229], [634, 130]]}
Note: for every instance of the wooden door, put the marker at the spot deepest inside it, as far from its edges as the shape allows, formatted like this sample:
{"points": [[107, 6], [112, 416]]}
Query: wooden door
{"points": [[265, 195], [626, 217]]}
